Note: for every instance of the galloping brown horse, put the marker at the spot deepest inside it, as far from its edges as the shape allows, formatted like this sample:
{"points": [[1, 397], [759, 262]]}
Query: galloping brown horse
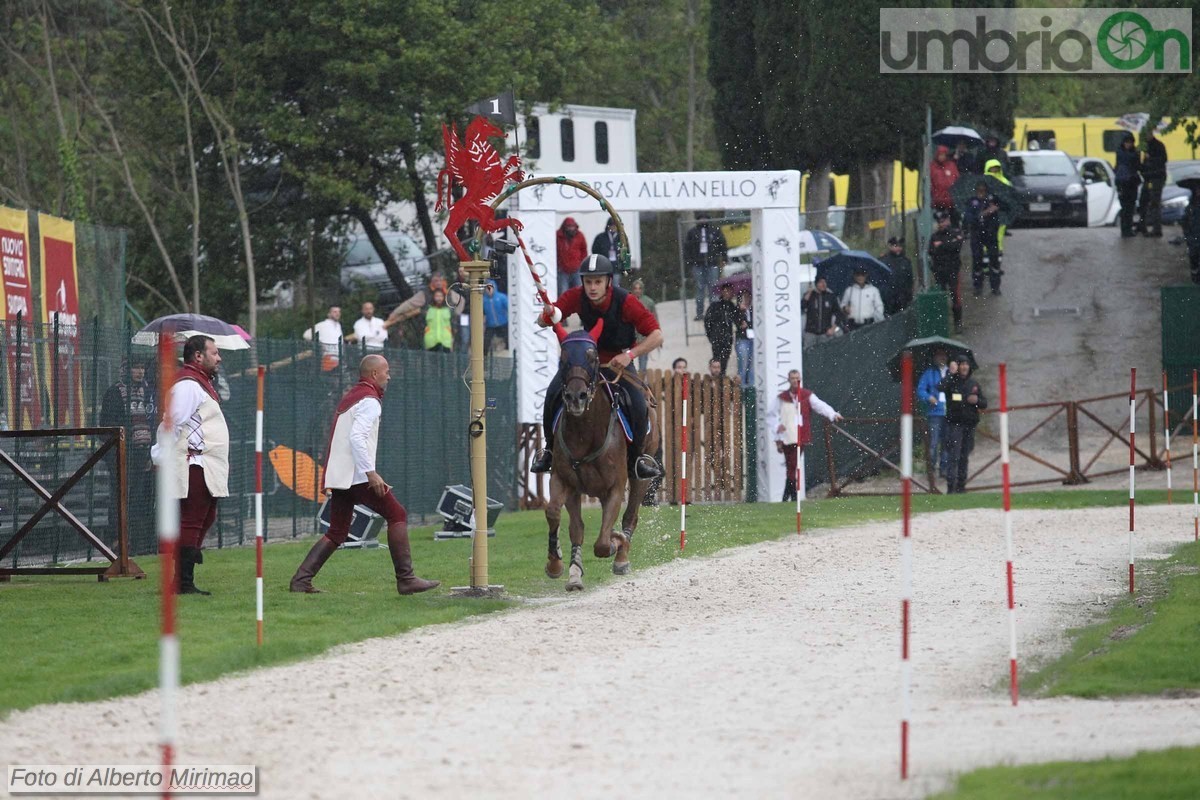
{"points": [[590, 458]]}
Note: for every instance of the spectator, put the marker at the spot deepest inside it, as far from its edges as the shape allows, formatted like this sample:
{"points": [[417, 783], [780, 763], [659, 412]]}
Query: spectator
{"points": [[495, 314], [458, 298], [1154, 174], [994, 168], [638, 289], [1128, 177], [714, 369], [933, 401], [415, 306], [983, 222], [964, 159], [943, 173], [438, 337], [744, 339], [329, 338], [719, 323], [130, 404], [993, 151], [964, 398], [945, 251], [705, 252], [369, 330], [902, 275], [679, 366], [861, 302], [572, 251], [1191, 233], [784, 421], [608, 243], [822, 314]]}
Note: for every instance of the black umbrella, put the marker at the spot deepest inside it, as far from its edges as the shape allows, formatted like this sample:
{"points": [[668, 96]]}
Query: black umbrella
{"points": [[923, 350], [1010, 199], [839, 268]]}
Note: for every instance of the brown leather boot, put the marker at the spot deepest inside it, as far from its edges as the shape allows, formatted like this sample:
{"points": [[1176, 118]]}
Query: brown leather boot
{"points": [[406, 581], [316, 558]]}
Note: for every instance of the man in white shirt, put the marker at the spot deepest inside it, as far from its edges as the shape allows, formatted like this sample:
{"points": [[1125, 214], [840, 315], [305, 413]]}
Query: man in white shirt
{"points": [[201, 454], [790, 417], [861, 302], [351, 479], [369, 330], [329, 336]]}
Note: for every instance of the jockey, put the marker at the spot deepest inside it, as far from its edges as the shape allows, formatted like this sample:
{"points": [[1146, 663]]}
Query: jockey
{"points": [[624, 319]]}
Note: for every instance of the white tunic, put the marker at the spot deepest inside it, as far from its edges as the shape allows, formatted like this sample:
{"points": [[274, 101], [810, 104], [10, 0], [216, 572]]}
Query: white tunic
{"points": [[355, 441], [201, 439]]}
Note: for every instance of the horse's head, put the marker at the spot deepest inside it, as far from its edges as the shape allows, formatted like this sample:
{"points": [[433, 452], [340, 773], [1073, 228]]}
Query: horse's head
{"points": [[580, 361]]}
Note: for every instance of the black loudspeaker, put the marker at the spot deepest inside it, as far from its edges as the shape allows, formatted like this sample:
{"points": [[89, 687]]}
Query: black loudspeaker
{"points": [[365, 526], [457, 508]]}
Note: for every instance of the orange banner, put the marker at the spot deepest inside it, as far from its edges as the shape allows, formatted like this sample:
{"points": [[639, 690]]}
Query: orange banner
{"points": [[21, 397], [60, 312]]}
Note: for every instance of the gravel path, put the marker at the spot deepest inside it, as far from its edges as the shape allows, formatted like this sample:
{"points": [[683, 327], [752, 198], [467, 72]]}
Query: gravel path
{"points": [[767, 671]]}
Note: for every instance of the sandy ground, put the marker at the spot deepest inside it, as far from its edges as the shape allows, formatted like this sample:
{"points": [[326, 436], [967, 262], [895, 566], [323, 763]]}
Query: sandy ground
{"points": [[767, 671]]}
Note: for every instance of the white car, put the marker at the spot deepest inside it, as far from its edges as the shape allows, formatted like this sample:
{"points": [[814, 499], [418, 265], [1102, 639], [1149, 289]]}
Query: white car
{"points": [[1098, 177]]}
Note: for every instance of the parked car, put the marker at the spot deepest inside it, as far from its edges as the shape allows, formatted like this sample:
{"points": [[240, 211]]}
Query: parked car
{"points": [[1175, 198], [1100, 181], [361, 266], [1052, 190]]}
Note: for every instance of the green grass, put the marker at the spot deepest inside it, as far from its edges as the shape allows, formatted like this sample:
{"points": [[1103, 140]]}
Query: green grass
{"points": [[71, 639], [1161, 775]]}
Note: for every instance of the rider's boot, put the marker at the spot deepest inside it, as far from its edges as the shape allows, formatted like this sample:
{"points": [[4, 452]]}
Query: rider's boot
{"points": [[542, 461], [647, 468]]}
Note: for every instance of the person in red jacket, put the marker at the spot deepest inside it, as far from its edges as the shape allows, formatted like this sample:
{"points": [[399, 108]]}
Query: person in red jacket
{"points": [[572, 250], [783, 420], [943, 173]]}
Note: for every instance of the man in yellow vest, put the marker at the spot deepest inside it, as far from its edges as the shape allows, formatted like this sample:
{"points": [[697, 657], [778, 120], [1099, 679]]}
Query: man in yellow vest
{"points": [[438, 335]]}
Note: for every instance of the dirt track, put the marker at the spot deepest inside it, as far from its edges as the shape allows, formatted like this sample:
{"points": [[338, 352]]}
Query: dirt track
{"points": [[768, 671]]}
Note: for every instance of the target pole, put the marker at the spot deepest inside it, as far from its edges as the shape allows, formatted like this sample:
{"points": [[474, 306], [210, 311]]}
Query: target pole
{"points": [[1167, 432], [258, 506], [796, 477], [1132, 409], [906, 429], [683, 495], [168, 540], [1008, 536], [1195, 467]]}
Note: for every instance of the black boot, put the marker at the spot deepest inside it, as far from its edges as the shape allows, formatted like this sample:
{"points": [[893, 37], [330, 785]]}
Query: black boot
{"points": [[406, 581], [646, 468], [789, 490], [542, 461], [189, 557], [316, 558]]}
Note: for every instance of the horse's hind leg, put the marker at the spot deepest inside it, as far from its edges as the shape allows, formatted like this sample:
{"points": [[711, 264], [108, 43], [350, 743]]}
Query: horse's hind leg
{"points": [[575, 573], [554, 561], [629, 523]]}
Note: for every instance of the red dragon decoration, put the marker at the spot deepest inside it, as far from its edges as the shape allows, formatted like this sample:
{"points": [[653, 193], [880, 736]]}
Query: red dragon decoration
{"points": [[474, 165]]}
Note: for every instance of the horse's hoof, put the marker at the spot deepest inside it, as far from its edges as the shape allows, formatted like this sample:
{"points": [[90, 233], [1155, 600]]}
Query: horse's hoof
{"points": [[574, 585], [554, 569], [621, 567]]}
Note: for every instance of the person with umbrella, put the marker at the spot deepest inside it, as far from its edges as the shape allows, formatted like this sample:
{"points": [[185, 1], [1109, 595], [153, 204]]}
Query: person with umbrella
{"points": [[964, 399], [983, 221], [945, 251], [1127, 171], [933, 401], [943, 173], [861, 302], [902, 274]]}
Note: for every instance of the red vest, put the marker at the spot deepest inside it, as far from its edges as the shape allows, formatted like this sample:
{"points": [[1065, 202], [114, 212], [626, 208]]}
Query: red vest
{"points": [[787, 402]]}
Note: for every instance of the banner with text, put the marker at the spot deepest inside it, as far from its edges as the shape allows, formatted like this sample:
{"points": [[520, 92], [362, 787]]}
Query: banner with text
{"points": [[21, 397], [60, 312]]}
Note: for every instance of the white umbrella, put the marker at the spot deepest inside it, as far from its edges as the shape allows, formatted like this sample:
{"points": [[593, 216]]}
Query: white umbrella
{"points": [[953, 134], [183, 326]]}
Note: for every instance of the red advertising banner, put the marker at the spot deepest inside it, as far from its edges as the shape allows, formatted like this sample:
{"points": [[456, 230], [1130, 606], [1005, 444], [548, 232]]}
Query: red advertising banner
{"points": [[60, 303], [21, 397]]}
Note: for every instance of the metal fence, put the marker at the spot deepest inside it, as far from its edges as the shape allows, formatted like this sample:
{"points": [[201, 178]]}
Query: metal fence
{"points": [[53, 381]]}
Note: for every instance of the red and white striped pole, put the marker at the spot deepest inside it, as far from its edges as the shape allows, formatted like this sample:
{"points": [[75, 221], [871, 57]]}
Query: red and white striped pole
{"points": [[1008, 537], [683, 495], [796, 477], [1132, 409], [906, 428], [258, 505], [1195, 467], [168, 540], [1167, 433]]}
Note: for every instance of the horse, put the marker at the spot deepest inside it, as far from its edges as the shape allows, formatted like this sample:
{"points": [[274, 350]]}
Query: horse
{"points": [[590, 457]]}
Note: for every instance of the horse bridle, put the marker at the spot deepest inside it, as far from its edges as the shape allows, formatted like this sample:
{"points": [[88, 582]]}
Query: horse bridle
{"points": [[594, 377]]}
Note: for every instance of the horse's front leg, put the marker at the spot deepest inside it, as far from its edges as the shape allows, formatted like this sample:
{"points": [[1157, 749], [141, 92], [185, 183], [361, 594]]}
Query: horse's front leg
{"points": [[575, 573], [554, 562], [629, 523]]}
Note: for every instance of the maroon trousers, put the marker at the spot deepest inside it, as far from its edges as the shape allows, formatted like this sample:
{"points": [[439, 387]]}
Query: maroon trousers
{"points": [[343, 501], [789, 459], [197, 511]]}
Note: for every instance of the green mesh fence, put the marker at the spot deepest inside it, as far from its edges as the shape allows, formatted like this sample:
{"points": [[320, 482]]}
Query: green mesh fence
{"points": [[851, 374], [52, 381]]}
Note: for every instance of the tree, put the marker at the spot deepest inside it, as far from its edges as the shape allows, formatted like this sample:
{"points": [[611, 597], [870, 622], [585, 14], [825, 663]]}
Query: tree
{"points": [[741, 125]]}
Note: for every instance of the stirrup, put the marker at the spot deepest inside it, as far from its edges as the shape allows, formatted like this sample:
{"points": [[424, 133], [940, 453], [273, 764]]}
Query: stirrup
{"points": [[542, 461], [646, 468]]}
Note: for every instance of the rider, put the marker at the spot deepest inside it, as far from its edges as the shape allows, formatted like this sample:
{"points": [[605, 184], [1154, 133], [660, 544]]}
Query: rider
{"points": [[624, 319]]}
